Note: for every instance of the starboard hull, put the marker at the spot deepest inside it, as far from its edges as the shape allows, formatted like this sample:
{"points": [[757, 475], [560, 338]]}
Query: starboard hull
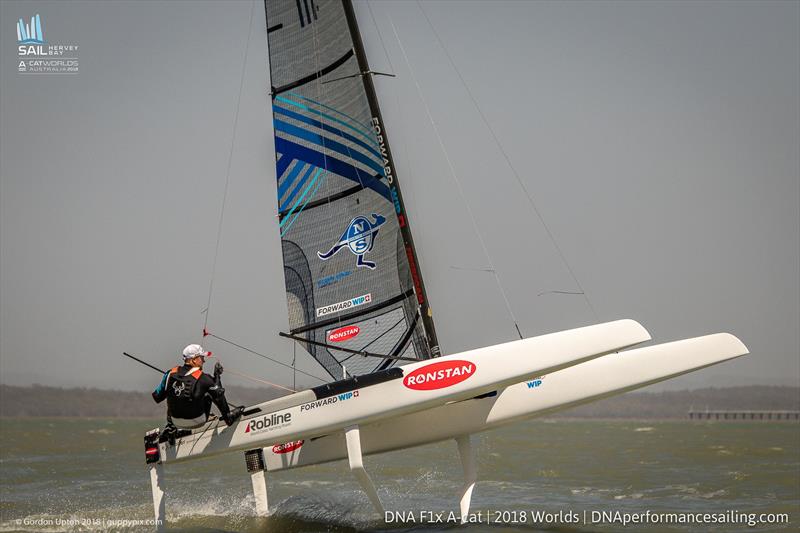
{"points": [[587, 382]]}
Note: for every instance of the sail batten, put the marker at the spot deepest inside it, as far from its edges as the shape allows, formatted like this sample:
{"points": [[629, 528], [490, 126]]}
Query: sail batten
{"points": [[353, 283]]}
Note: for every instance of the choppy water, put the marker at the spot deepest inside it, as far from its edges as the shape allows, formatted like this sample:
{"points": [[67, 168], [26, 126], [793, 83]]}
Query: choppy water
{"points": [[91, 472]]}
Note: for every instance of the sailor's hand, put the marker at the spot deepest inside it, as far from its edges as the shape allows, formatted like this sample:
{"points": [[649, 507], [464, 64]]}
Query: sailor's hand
{"points": [[218, 369]]}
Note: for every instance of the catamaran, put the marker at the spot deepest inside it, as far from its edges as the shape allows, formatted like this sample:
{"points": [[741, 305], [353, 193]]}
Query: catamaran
{"points": [[357, 301]]}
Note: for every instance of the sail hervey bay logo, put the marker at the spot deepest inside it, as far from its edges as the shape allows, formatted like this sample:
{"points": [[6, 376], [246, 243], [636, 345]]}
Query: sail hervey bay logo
{"points": [[360, 237], [439, 375], [343, 334], [37, 56]]}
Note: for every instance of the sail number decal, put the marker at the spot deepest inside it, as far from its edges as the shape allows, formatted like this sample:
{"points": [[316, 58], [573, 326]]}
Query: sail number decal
{"points": [[359, 237], [287, 447], [343, 334], [439, 375]]}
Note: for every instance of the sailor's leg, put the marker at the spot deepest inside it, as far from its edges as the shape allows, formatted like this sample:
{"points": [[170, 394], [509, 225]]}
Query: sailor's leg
{"points": [[228, 415], [467, 452], [353, 437], [159, 502], [258, 476], [218, 396]]}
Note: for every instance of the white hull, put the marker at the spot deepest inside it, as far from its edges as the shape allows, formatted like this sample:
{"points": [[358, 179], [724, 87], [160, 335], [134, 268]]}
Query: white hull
{"points": [[303, 415], [607, 376], [359, 431]]}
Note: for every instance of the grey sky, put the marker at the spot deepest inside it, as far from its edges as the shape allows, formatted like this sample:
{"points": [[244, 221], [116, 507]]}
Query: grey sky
{"points": [[659, 142]]}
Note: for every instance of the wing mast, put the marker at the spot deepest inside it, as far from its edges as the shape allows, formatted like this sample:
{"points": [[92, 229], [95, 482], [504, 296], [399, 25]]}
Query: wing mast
{"points": [[388, 161]]}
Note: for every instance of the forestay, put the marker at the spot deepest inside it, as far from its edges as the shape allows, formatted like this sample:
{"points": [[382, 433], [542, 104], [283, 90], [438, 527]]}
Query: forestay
{"points": [[352, 278]]}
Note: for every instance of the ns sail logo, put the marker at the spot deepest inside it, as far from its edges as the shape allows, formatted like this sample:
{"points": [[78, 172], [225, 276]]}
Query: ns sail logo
{"points": [[359, 237]]}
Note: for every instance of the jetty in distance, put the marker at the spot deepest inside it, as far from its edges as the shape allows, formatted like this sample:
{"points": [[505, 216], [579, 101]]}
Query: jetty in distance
{"points": [[745, 415]]}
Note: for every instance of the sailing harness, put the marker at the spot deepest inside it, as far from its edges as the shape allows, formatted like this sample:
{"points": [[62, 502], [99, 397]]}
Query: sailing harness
{"points": [[181, 385], [184, 407]]}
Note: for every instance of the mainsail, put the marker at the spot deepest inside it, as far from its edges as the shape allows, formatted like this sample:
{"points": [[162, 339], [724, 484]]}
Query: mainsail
{"points": [[352, 276]]}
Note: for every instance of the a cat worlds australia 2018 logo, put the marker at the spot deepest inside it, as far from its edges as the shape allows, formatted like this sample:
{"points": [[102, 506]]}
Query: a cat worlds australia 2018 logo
{"points": [[37, 56], [360, 237]]}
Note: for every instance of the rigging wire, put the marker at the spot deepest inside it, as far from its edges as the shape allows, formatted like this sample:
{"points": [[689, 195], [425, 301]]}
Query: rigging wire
{"points": [[260, 380], [380, 36], [456, 180], [228, 171], [221, 222], [513, 170], [472, 269], [573, 293], [268, 358]]}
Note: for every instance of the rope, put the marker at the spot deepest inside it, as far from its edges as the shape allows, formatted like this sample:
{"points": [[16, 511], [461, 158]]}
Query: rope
{"points": [[228, 171], [513, 170], [456, 180]]}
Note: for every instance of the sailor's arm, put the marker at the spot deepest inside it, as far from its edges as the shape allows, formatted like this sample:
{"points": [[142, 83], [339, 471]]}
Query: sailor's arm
{"points": [[161, 391], [215, 389]]}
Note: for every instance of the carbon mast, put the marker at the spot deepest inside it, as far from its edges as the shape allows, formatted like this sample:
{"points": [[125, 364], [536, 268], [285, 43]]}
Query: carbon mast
{"points": [[380, 131]]}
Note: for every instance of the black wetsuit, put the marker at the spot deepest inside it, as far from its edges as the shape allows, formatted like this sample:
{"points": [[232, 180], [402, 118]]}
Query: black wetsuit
{"points": [[189, 393]]}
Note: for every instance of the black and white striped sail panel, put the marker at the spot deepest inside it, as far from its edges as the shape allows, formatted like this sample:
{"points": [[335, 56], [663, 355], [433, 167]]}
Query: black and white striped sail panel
{"points": [[346, 264]]}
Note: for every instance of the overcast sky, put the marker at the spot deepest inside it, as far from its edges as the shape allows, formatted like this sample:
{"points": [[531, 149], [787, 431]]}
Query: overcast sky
{"points": [[658, 140]]}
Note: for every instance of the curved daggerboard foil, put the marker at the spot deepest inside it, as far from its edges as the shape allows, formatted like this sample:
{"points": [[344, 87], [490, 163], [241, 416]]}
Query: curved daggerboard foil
{"points": [[352, 279]]}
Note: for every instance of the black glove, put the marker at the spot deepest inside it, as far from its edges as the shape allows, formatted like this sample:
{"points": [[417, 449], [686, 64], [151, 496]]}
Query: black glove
{"points": [[218, 369]]}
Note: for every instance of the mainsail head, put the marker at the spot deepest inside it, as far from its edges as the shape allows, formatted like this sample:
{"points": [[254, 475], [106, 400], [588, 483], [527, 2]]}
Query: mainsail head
{"points": [[352, 277]]}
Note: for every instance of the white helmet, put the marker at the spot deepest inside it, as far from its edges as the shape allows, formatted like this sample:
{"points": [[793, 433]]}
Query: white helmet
{"points": [[194, 350]]}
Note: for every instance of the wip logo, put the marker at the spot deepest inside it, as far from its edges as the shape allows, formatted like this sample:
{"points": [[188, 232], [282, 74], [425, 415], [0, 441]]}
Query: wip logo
{"points": [[268, 422], [439, 375], [329, 400], [347, 304], [287, 447], [535, 382], [343, 334], [30, 33], [360, 237]]}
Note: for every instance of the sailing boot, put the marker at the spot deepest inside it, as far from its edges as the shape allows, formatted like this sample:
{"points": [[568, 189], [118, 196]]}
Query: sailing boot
{"points": [[170, 432]]}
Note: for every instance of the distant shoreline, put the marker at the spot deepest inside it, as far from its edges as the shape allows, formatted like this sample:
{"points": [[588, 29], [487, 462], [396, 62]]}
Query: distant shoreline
{"points": [[54, 402]]}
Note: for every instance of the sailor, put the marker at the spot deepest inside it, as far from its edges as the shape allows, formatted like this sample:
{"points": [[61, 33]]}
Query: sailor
{"points": [[190, 392]]}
